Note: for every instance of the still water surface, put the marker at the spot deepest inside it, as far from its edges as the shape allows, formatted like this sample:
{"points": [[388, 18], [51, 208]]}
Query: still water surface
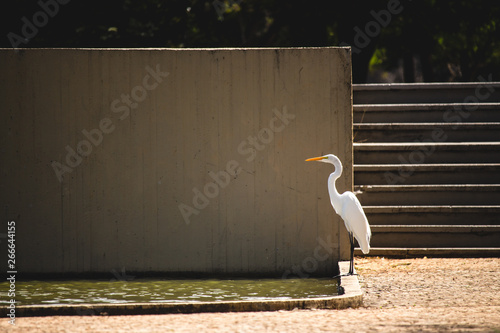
{"points": [[154, 290]]}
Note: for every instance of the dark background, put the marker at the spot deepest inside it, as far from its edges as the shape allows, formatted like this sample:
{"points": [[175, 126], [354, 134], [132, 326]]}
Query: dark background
{"points": [[425, 41]]}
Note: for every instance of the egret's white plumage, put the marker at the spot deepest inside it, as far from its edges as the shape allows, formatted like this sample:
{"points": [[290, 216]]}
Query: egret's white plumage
{"points": [[348, 207]]}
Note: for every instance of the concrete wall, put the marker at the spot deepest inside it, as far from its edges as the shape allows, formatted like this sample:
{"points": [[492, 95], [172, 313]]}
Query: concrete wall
{"points": [[172, 160]]}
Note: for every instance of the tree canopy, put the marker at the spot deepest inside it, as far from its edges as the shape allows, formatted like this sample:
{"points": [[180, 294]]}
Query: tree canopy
{"points": [[425, 40]]}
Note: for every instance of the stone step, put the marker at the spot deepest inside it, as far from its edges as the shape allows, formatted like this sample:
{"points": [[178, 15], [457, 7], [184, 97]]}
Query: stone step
{"points": [[437, 132], [405, 252], [433, 215], [436, 236], [427, 167], [397, 93], [425, 195], [416, 113], [426, 152], [414, 174]]}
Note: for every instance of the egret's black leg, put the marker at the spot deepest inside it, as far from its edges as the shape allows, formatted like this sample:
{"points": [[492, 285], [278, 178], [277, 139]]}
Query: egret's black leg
{"points": [[351, 264], [351, 259]]}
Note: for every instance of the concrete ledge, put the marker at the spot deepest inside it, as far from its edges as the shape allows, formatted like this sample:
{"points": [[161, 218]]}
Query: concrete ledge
{"points": [[461, 252], [438, 92], [427, 167], [424, 107], [487, 229], [441, 209], [430, 188], [423, 126], [423, 86], [390, 146], [351, 298]]}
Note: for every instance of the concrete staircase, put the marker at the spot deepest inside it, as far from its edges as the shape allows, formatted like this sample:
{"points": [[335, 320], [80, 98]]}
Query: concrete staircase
{"points": [[427, 167]]}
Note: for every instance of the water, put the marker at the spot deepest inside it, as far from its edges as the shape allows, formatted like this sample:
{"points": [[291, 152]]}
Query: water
{"points": [[171, 291]]}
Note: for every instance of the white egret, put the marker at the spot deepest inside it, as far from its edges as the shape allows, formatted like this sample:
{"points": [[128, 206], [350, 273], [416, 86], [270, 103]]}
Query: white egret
{"points": [[348, 207]]}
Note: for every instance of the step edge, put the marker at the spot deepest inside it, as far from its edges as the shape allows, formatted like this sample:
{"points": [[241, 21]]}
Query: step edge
{"points": [[433, 209], [452, 228], [427, 167], [433, 125], [411, 107], [427, 188], [407, 146], [431, 251], [421, 86]]}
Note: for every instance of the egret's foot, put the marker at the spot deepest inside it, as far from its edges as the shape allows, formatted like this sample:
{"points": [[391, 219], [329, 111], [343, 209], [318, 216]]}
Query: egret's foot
{"points": [[346, 274]]}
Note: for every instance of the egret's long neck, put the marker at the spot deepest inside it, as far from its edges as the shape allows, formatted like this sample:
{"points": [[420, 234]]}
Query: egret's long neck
{"points": [[332, 189]]}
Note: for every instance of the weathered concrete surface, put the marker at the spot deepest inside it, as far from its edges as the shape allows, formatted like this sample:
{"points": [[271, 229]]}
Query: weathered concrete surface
{"points": [[169, 160]]}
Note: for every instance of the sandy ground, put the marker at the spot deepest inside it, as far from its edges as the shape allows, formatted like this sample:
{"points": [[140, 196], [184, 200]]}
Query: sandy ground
{"points": [[401, 295]]}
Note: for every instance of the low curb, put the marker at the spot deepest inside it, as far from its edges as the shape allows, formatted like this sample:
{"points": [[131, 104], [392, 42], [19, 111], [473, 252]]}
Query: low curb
{"points": [[456, 252], [351, 298]]}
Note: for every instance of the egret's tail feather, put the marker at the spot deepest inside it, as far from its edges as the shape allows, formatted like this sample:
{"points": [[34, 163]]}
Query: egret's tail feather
{"points": [[365, 244]]}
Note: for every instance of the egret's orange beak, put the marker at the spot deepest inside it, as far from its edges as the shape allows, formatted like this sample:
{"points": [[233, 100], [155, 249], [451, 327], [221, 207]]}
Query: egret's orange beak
{"points": [[316, 158]]}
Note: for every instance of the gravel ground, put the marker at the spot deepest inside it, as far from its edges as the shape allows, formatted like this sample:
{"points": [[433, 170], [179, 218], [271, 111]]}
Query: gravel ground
{"points": [[401, 295]]}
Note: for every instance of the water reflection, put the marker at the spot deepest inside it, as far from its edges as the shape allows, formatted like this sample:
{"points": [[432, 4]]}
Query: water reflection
{"points": [[154, 290]]}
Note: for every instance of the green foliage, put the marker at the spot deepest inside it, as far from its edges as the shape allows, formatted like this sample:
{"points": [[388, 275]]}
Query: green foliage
{"points": [[454, 40]]}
